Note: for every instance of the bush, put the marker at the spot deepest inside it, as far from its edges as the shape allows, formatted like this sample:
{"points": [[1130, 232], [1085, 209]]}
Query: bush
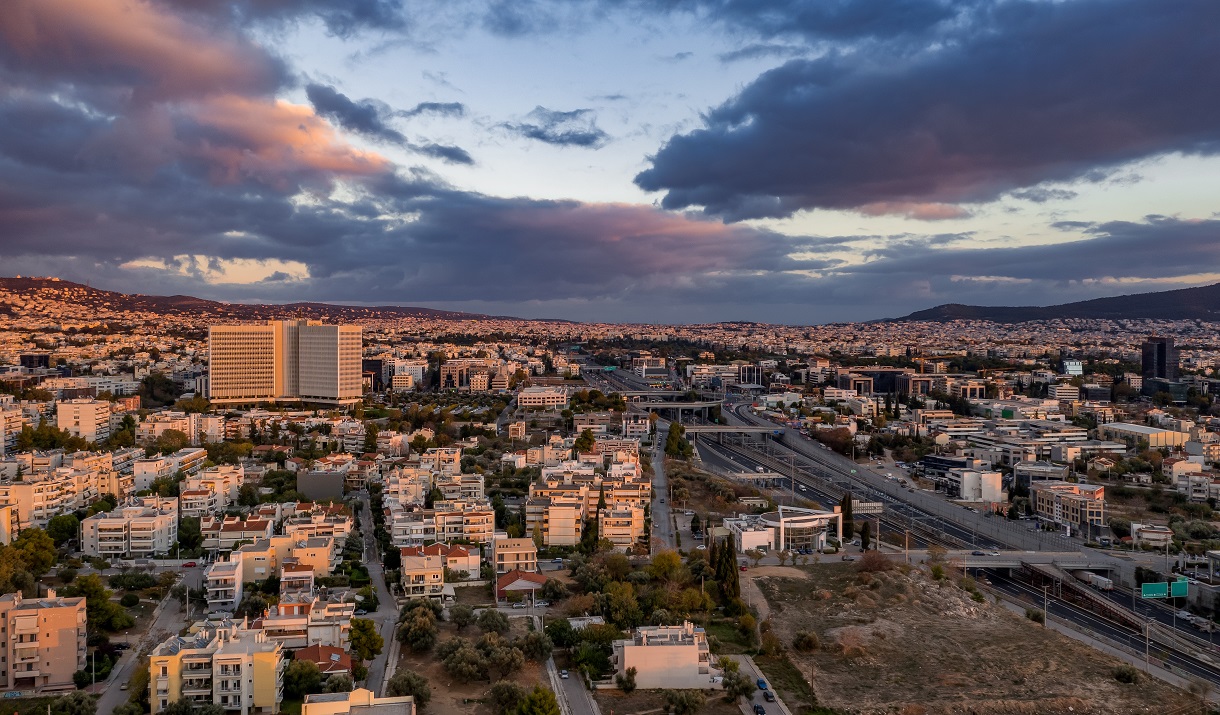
{"points": [[1036, 615], [806, 641], [129, 599], [1126, 674], [873, 561], [626, 682]]}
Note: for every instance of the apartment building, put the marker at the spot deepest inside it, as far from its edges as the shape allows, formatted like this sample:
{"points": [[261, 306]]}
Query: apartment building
{"points": [[222, 534], [463, 487], [423, 576], [42, 642], [623, 526], [513, 555], [1081, 507], [542, 397], [142, 529], [87, 419], [224, 584], [557, 520], [357, 701], [457, 558], [446, 460], [672, 657], [284, 360], [43, 494], [461, 520], [238, 668]]}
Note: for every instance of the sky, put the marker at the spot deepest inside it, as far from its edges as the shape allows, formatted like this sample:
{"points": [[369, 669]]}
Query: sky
{"points": [[670, 161]]}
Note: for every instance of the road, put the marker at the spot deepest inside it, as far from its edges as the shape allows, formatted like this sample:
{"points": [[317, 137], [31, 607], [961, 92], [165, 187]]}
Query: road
{"points": [[662, 521], [386, 615]]}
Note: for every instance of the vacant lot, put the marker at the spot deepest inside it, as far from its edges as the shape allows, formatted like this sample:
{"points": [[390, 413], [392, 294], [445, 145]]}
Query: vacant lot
{"points": [[453, 697], [652, 702], [895, 642]]}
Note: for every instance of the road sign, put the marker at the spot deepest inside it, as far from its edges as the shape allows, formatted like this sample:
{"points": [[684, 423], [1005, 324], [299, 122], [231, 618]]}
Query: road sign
{"points": [[866, 507], [1179, 588], [1154, 590]]}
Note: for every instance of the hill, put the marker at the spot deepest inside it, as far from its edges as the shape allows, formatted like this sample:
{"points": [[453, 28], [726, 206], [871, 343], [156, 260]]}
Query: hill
{"points": [[1201, 303], [23, 292]]}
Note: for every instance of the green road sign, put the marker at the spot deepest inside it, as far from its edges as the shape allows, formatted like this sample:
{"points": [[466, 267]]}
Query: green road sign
{"points": [[1179, 589], [1154, 590]]}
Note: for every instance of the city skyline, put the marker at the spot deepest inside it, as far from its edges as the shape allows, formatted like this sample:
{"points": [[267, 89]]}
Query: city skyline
{"points": [[676, 162]]}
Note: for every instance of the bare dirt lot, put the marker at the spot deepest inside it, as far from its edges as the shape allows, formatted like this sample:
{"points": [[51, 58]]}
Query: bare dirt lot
{"points": [[894, 642], [452, 697]]}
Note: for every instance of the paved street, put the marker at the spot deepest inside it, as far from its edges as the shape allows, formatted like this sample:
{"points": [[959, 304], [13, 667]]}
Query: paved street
{"points": [[386, 615], [662, 523]]}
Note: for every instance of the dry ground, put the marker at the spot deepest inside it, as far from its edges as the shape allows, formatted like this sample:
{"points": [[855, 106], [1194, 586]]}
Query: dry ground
{"points": [[902, 643], [450, 697], [652, 702]]}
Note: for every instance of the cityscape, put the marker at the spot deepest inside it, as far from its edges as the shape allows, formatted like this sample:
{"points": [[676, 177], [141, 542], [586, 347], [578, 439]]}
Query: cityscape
{"points": [[578, 357]]}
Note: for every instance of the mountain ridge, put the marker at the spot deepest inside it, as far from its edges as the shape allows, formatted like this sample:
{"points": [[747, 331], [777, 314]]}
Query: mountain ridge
{"points": [[1199, 303]]}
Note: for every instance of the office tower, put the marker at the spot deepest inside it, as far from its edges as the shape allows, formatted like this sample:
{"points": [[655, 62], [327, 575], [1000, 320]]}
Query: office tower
{"points": [[284, 360], [1160, 359]]}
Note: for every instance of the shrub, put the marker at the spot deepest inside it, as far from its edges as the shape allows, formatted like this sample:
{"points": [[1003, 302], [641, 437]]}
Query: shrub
{"points": [[1036, 615], [873, 561], [806, 641], [1126, 674], [626, 682], [129, 599]]}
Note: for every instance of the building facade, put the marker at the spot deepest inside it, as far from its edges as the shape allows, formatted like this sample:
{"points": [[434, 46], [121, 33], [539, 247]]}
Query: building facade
{"points": [[284, 360], [42, 643]]}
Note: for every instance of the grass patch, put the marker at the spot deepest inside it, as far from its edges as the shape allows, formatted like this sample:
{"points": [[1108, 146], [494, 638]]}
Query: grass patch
{"points": [[27, 705], [291, 707], [729, 639]]}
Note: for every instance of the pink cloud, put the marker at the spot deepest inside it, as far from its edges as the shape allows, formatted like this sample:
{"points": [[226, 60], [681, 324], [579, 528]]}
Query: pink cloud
{"points": [[914, 210]]}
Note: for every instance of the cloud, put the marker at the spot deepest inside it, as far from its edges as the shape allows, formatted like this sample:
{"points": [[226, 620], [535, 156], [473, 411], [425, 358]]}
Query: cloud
{"points": [[826, 20], [341, 17], [575, 128], [1027, 93], [451, 154], [367, 117], [1041, 194], [760, 50], [917, 211], [442, 109]]}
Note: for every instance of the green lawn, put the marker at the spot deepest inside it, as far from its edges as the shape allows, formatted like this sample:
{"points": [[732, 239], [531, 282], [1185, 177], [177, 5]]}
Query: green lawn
{"points": [[729, 638]]}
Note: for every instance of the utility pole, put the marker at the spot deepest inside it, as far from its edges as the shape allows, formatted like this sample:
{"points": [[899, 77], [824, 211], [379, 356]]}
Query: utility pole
{"points": [[1045, 606]]}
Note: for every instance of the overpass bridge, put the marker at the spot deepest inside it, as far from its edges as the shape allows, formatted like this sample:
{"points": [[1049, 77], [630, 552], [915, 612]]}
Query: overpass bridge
{"points": [[729, 429]]}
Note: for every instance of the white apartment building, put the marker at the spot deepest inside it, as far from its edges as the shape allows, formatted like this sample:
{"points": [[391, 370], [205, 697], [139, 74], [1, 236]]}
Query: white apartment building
{"points": [[11, 421], [43, 494], [140, 530], [513, 554], [284, 360], [672, 657], [87, 419], [544, 397]]}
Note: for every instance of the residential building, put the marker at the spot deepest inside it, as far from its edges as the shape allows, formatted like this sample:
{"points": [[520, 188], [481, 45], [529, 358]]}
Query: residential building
{"points": [[459, 559], [359, 701], [514, 555], [87, 419], [422, 576], [284, 360], [623, 526], [238, 668], [224, 584], [223, 534], [524, 583], [142, 529], [1081, 507], [42, 642], [670, 657], [331, 660]]}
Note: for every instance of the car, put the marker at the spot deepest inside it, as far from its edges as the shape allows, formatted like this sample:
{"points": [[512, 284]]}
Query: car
{"points": [[688, 513], [745, 568], [542, 604], [557, 560], [123, 686], [890, 475], [563, 674], [977, 553], [759, 710], [762, 684], [848, 557], [361, 612], [122, 646], [662, 501], [994, 553], [189, 565], [520, 605], [701, 547], [768, 696]]}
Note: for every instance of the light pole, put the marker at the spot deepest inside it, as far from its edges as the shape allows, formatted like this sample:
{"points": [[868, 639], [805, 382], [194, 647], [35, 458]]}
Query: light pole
{"points": [[1045, 605]]}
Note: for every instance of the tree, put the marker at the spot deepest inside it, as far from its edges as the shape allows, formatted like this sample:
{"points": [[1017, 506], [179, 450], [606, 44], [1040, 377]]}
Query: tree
{"points": [[849, 526], [696, 526], [738, 685], [554, 590], [584, 443], [490, 620], [535, 645], [252, 606], [37, 550], [505, 695], [865, 535], [626, 681], [538, 701], [462, 660], [461, 616], [684, 702], [301, 678], [247, 496], [77, 703], [408, 682], [562, 634], [366, 641], [370, 437], [186, 707], [754, 555], [419, 630], [338, 684], [63, 528], [190, 535], [100, 612]]}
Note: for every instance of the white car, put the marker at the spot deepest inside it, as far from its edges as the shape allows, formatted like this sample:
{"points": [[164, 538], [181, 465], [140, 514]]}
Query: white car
{"points": [[701, 547]]}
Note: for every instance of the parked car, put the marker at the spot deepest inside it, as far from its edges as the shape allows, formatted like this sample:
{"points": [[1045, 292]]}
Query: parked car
{"points": [[768, 696], [759, 710], [189, 565], [520, 605], [361, 612], [762, 684], [701, 547], [542, 604], [563, 674], [745, 568], [557, 560]]}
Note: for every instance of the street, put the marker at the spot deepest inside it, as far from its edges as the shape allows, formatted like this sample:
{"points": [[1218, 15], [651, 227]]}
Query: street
{"points": [[386, 615]]}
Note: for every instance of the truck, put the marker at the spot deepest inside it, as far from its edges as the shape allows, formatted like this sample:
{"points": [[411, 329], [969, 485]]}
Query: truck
{"points": [[1097, 581]]}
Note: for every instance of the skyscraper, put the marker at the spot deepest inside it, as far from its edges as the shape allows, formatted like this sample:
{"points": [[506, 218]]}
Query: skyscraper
{"points": [[284, 360], [1160, 359]]}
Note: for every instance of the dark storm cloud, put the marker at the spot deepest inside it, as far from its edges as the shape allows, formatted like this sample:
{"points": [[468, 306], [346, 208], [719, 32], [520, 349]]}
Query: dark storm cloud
{"points": [[440, 109], [575, 128], [341, 17], [1040, 194], [444, 152], [824, 20], [761, 50], [367, 117], [1032, 92]]}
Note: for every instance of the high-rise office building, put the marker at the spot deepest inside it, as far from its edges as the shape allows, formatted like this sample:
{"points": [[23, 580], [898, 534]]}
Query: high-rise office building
{"points": [[284, 360], [1160, 359]]}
